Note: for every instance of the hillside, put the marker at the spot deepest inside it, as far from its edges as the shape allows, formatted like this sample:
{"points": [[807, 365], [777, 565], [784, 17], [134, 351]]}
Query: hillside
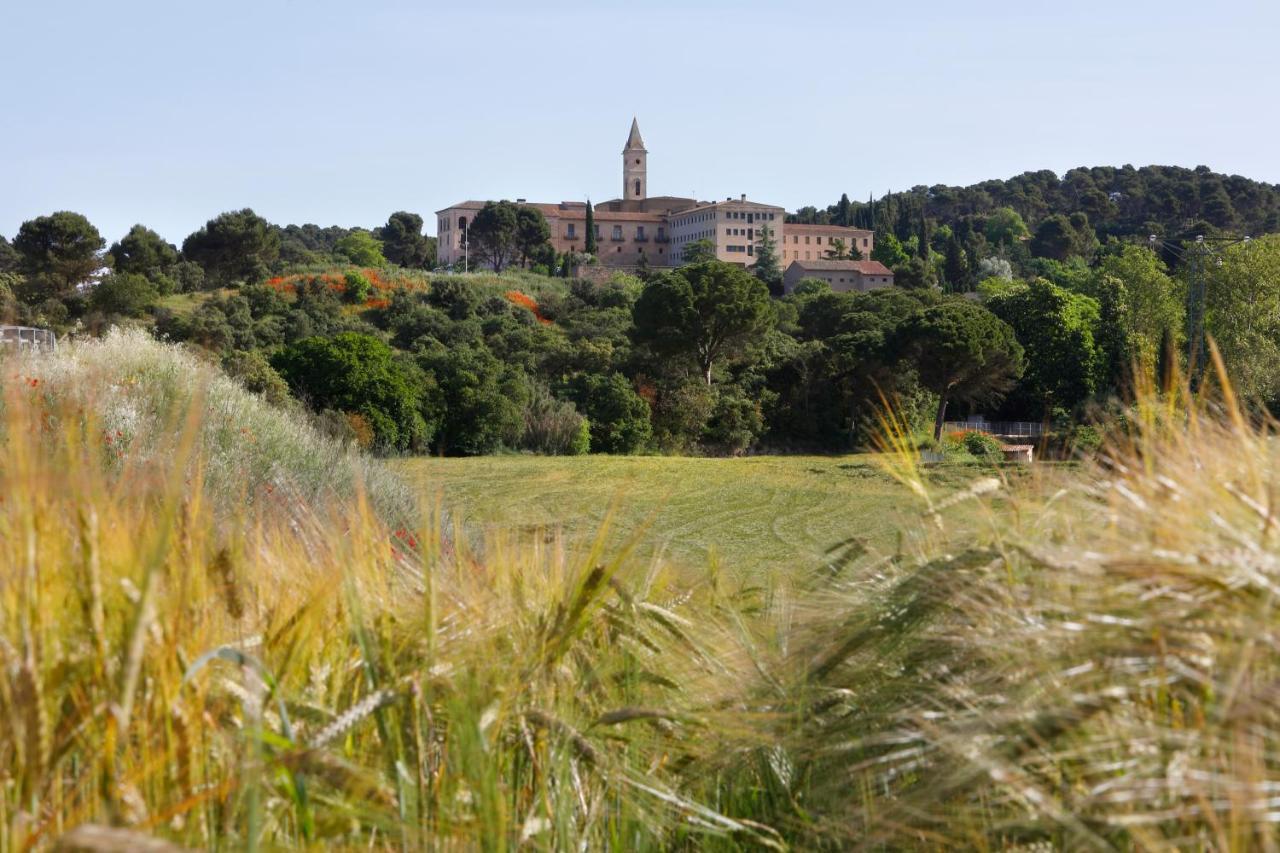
{"points": [[1169, 201]]}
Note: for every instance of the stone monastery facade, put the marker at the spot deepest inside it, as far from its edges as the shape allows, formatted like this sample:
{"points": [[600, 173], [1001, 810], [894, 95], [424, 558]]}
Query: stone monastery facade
{"points": [[638, 228]]}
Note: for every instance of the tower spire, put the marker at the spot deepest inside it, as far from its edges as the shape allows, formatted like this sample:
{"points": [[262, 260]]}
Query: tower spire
{"points": [[634, 142], [635, 173]]}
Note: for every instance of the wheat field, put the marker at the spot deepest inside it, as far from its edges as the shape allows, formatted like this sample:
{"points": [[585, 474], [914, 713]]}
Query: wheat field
{"points": [[1087, 660]]}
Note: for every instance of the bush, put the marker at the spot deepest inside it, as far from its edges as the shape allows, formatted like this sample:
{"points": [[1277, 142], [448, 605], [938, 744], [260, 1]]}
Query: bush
{"points": [[357, 289], [124, 294], [983, 446], [554, 427], [619, 416], [357, 374], [481, 399], [735, 422], [252, 370]]}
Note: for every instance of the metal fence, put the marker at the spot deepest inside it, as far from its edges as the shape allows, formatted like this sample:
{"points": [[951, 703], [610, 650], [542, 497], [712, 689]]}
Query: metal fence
{"points": [[1019, 429], [28, 338]]}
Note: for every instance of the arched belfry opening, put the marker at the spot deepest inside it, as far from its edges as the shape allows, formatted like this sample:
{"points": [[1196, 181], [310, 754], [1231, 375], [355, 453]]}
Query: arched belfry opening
{"points": [[635, 179]]}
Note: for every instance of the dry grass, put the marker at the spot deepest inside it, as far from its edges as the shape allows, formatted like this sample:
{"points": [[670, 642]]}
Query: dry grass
{"points": [[292, 673], [1096, 666]]}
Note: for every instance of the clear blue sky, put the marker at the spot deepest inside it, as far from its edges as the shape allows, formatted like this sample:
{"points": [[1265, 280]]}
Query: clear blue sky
{"points": [[168, 113]]}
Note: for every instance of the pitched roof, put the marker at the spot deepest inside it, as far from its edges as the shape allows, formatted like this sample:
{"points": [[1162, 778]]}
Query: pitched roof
{"points": [[799, 228], [863, 267], [634, 142]]}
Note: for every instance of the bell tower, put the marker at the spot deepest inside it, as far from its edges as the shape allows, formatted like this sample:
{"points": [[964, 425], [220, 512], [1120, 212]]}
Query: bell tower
{"points": [[635, 167]]}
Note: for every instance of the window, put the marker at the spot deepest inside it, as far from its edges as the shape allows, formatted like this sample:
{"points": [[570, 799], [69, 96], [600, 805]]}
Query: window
{"points": [[750, 218], [795, 239], [750, 249], [637, 186], [570, 233], [806, 242], [864, 241], [640, 233], [617, 233], [806, 256]]}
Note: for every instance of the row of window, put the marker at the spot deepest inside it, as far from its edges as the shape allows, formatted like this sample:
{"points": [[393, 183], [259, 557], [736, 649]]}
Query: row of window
{"points": [[748, 249], [571, 232], [831, 241], [750, 216], [740, 232]]}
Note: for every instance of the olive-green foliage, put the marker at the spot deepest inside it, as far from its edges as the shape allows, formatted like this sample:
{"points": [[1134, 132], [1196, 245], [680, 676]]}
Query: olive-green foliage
{"points": [[403, 242], [553, 426], [619, 417], [1055, 327], [234, 247], [59, 251], [361, 248], [961, 352], [707, 312], [482, 401], [252, 370], [1150, 300], [125, 294], [144, 252], [357, 287], [10, 260], [982, 445], [360, 375], [1243, 315], [735, 423]]}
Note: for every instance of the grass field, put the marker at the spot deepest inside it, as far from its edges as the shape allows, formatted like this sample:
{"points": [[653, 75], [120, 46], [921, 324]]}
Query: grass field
{"points": [[767, 513]]}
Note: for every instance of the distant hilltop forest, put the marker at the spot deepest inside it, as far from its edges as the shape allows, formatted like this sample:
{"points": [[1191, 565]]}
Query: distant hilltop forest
{"points": [[1170, 202]]}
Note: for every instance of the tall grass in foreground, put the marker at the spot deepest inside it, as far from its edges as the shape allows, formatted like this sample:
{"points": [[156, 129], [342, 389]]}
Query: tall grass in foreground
{"points": [[1099, 668], [1095, 666], [276, 673]]}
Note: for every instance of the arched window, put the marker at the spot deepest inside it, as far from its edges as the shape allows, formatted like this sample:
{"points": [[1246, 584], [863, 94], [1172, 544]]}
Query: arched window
{"points": [[637, 186]]}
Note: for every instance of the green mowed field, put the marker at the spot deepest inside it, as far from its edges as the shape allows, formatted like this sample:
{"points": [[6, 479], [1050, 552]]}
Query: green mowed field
{"points": [[775, 513]]}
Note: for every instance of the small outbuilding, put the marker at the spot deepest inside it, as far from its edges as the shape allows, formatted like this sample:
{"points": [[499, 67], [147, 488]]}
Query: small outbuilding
{"points": [[857, 276]]}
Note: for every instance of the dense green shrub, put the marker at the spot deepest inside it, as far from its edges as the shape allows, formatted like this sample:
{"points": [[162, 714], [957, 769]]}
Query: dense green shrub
{"points": [[124, 294], [735, 422], [481, 399], [357, 287], [983, 446], [253, 371], [360, 375], [619, 416]]}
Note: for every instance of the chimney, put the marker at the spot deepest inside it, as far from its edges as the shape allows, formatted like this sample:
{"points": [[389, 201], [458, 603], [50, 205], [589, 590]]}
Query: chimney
{"points": [[744, 196]]}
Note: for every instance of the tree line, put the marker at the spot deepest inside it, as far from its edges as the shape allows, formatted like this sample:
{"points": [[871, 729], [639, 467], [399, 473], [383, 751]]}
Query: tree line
{"points": [[708, 357]]}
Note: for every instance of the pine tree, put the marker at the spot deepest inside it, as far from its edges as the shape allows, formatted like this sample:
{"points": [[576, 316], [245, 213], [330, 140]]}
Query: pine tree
{"points": [[591, 246], [767, 267]]}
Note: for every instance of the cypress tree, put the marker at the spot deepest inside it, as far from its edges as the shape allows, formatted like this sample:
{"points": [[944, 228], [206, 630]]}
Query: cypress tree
{"points": [[956, 266], [923, 249], [591, 246], [842, 210]]}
